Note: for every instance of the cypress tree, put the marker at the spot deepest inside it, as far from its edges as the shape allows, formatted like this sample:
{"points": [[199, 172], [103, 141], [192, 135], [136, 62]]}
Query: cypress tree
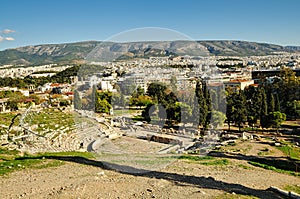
{"points": [[277, 103], [264, 109], [202, 104], [208, 104], [229, 109], [271, 105], [77, 100], [240, 110]]}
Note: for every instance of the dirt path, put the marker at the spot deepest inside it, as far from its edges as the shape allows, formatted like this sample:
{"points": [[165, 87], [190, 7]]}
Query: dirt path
{"points": [[181, 179]]}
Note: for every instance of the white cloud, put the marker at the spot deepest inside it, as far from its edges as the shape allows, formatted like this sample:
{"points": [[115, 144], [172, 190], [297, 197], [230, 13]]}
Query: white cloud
{"points": [[9, 38], [7, 31], [6, 39]]}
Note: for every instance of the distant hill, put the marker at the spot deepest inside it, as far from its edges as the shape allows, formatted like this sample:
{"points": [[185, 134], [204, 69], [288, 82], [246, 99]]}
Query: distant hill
{"points": [[47, 53], [92, 50]]}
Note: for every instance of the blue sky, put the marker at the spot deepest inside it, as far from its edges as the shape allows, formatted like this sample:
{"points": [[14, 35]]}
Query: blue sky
{"points": [[31, 22]]}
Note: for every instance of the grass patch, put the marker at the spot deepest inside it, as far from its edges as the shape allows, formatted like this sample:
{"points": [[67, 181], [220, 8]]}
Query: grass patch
{"points": [[205, 160], [8, 152], [287, 168], [5, 118], [87, 155], [138, 118], [290, 151], [218, 162], [244, 166], [11, 161], [293, 188], [250, 129], [7, 167], [42, 122], [196, 158]]}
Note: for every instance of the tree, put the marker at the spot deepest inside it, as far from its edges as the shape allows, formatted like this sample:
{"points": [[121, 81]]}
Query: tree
{"points": [[157, 92], [229, 109], [271, 106], [288, 87], [186, 113], [253, 104], [293, 109], [263, 109], [143, 100], [164, 97], [173, 83], [277, 102], [202, 104], [207, 97], [276, 119], [103, 102], [102, 106], [173, 112], [287, 74], [138, 92], [146, 113], [217, 119], [115, 100], [214, 99], [12, 105], [239, 109], [77, 100]]}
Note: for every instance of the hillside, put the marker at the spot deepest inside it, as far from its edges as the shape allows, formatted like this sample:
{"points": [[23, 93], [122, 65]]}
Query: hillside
{"points": [[91, 50]]}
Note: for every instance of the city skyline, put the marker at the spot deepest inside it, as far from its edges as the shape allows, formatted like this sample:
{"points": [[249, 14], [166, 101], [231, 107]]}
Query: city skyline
{"points": [[33, 22]]}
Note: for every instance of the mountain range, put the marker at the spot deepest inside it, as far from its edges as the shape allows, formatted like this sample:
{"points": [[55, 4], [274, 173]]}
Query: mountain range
{"points": [[81, 52]]}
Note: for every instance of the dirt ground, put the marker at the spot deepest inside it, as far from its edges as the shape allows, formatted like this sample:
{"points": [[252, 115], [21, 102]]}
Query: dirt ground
{"points": [[179, 179]]}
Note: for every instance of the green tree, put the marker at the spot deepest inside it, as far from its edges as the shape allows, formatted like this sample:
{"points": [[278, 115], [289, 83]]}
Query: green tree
{"points": [[271, 106], [263, 109], [276, 119], [146, 113], [202, 104], [293, 109], [217, 119], [138, 92], [140, 101], [102, 106], [277, 102], [173, 112], [77, 100], [214, 99], [12, 105], [173, 83], [186, 113], [230, 109], [253, 104], [143, 100], [157, 91], [207, 97], [103, 102], [239, 109], [288, 87]]}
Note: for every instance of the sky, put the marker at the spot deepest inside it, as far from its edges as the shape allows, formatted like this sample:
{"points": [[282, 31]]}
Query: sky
{"points": [[33, 22]]}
